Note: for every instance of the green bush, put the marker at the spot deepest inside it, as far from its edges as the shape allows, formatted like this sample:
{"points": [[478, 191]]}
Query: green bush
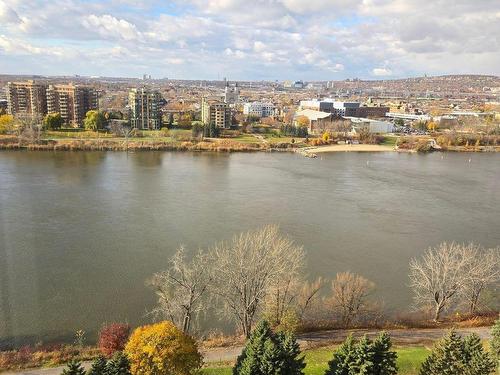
{"points": [[74, 368], [495, 342]]}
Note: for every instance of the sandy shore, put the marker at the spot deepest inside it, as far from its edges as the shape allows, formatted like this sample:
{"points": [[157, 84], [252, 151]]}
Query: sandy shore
{"points": [[347, 148]]}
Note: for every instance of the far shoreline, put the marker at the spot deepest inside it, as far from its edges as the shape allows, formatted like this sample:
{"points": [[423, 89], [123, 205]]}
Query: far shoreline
{"points": [[349, 148]]}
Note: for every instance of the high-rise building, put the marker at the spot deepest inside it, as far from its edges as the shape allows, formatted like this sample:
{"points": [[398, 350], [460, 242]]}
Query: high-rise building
{"points": [[216, 111], [144, 107], [72, 102], [27, 97]]}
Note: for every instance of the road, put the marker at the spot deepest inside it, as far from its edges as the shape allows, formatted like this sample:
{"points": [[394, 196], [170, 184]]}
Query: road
{"points": [[416, 336]]}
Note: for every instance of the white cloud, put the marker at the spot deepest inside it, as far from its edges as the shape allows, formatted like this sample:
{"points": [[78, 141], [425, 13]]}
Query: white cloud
{"points": [[110, 27], [381, 72]]}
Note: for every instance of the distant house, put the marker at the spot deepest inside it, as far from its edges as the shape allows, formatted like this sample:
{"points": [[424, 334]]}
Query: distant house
{"points": [[373, 126]]}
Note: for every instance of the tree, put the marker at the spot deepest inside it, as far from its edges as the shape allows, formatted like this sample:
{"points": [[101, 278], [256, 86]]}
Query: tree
{"points": [[74, 368], [349, 297], [245, 268], [268, 353], [363, 358], [477, 360], [302, 121], [112, 338], [94, 120], [53, 121], [162, 349], [6, 123], [342, 359], [118, 365], [453, 355], [384, 360], [181, 288], [482, 269], [495, 342], [438, 278], [98, 366]]}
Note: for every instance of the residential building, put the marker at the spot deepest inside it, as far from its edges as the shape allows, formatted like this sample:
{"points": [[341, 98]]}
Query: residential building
{"points": [[216, 111], [144, 106], [259, 109], [72, 102], [3, 105], [231, 93], [27, 97]]}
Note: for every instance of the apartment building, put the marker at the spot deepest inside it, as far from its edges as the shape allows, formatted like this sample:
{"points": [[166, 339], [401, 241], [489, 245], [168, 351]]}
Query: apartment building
{"points": [[231, 93], [216, 111], [259, 109], [144, 106], [27, 97], [72, 102]]}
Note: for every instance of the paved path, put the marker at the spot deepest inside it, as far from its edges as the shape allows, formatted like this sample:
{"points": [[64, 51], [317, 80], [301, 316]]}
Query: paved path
{"points": [[399, 337]]}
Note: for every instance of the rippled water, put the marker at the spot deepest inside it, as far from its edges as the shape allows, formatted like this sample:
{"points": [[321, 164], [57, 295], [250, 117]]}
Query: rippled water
{"points": [[81, 232]]}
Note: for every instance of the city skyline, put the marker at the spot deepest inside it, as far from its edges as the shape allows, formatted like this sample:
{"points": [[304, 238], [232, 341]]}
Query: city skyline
{"points": [[265, 40]]}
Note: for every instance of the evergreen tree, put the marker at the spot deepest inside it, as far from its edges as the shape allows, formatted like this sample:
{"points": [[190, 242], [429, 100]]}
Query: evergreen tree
{"points": [[249, 361], [74, 368], [118, 365], [495, 342], [364, 353], [98, 366], [477, 360], [293, 362], [384, 360], [342, 359], [446, 357], [267, 353]]}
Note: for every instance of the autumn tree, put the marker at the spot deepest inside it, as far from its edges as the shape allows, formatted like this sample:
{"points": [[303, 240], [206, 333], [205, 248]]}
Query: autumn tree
{"points": [[246, 268], [94, 120], [112, 338], [438, 277], [53, 121], [349, 296], [162, 349], [181, 287], [6, 124]]}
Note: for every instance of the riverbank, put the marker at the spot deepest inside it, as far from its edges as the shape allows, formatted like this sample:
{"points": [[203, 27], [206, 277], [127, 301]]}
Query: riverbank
{"points": [[350, 148], [317, 345]]}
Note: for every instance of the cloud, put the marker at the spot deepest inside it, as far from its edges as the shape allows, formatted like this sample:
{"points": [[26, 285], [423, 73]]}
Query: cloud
{"points": [[381, 72], [268, 39]]}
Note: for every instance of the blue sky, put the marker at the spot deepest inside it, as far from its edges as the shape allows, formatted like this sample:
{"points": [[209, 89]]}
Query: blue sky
{"points": [[250, 40]]}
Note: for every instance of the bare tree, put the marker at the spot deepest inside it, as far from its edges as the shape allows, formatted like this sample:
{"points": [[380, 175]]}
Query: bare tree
{"points": [[181, 288], [247, 267], [349, 297], [438, 277], [28, 128], [309, 293], [482, 270]]}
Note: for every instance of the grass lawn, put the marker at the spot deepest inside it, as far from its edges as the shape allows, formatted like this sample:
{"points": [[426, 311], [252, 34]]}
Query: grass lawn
{"points": [[284, 139], [389, 140], [245, 138], [409, 360]]}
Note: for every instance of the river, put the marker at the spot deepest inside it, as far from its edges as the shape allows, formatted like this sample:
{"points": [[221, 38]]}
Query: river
{"points": [[81, 232]]}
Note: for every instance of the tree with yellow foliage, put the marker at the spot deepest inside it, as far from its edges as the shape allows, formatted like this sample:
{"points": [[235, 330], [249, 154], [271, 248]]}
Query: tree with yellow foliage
{"points": [[6, 123], [162, 349], [432, 126], [302, 121], [326, 137]]}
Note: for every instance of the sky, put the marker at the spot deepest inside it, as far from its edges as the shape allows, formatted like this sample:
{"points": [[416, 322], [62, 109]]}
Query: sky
{"points": [[250, 39]]}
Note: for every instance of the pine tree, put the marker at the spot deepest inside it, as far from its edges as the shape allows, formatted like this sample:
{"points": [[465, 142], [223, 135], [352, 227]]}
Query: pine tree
{"points": [[98, 366], [293, 362], [74, 368], [446, 357], [342, 359], [477, 360], [272, 359], [118, 365], [384, 360], [249, 361], [363, 363], [495, 342]]}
